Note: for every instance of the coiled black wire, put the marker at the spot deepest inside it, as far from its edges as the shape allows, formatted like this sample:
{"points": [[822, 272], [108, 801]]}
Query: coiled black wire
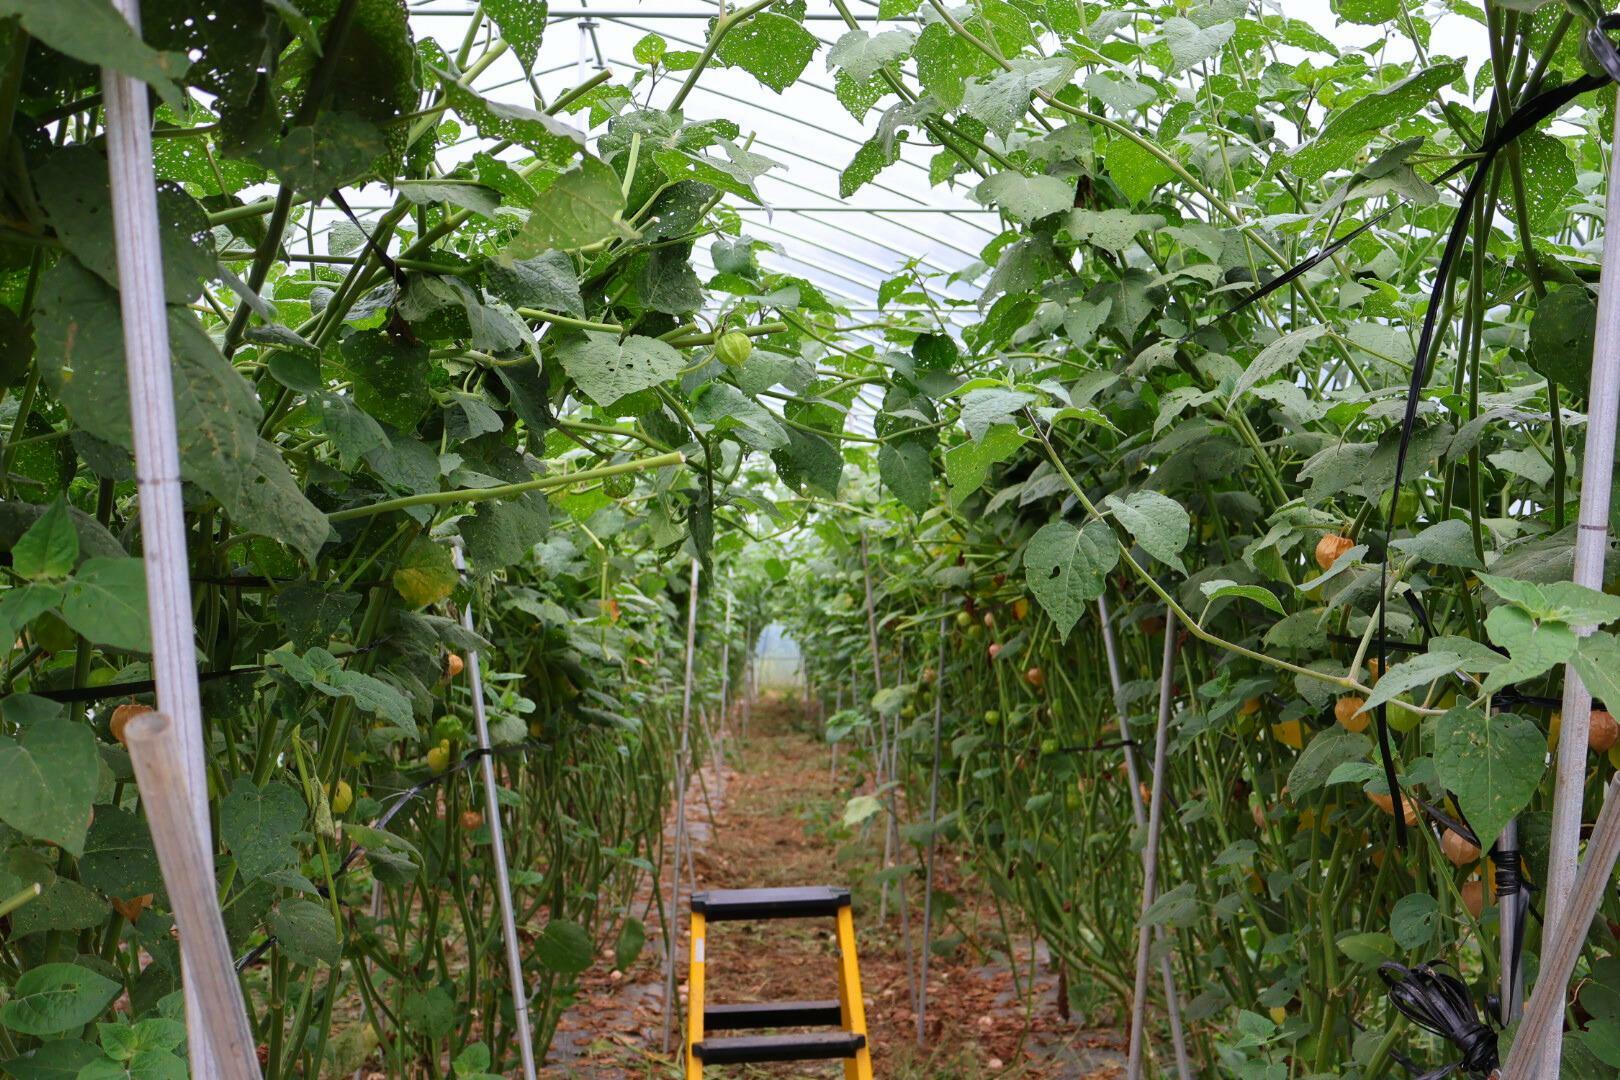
{"points": [[1439, 1002]]}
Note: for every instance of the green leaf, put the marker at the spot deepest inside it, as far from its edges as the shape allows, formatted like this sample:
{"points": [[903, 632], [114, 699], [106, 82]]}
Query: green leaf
{"points": [[259, 826], [553, 141], [1369, 949], [475, 197], [1563, 332], [118, 855], [1135, 169], [1533, 647], [305, 932], [1445, 543], [522, 24], [49, 549], [907, 470], [945, 62], [53, 998], [547, 281], [58, 1059], [632, 936], [1413, 920], [95, 32], [1347, 130], [607, 369], [859, 55], [999, 101], [1066, 568], [1564, 601], [861, 808], [336, 149], [1191, 44], [1114, 230], [1157, 522], [1597, 662], [1549, 176], [23, 604], [990, 406], [967, 465], [1493, 764], [873, 157], [1326, 751], [51, 772], [1418, 671], [1025, 198], [810, 463], [583, 206], [426, 573], [106, 602], [564, 947], [64, 906], [1222, 587], [772, 48], [1284, 352], [723, 408]]}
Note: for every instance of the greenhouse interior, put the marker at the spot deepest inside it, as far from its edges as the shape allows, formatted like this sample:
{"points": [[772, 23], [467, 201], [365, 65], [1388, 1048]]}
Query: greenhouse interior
{"points": [[931, 539]]}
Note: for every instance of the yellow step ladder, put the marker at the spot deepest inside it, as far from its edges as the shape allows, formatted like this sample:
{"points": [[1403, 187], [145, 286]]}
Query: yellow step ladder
{"points": [[847, 1015]]}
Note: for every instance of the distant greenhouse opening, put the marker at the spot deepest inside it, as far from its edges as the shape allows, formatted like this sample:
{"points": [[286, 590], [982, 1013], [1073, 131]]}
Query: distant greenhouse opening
{"points": [[778, 661]]}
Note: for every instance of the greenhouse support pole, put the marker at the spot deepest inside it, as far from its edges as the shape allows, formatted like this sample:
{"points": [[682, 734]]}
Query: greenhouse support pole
{"points": [[497, 839], [933, 820], [1150, 856], [1172, 999], [142, 303], [673, 920], [1591, 545]]}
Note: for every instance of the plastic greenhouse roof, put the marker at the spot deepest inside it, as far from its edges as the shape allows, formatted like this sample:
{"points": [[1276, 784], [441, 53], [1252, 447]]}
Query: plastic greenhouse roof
{"points": [[845, 247]]}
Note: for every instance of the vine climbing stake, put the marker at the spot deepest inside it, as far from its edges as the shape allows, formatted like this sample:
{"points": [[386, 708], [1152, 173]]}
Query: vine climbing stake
{"points": [[141, 300], [497, 841], [672, 910], [1133, 771]]}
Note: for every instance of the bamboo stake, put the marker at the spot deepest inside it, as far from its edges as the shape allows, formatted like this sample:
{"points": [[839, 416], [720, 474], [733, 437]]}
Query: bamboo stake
{"points": [[157, 463], [933, 821], [1541, 1030], [883, 724], [497, 840], [1591, 545], [680, 808], [1150, 855], [1172, 999], [156, 750]]}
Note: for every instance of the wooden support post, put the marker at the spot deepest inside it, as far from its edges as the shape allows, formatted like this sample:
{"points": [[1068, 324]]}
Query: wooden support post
{"points": [[156, 750]]}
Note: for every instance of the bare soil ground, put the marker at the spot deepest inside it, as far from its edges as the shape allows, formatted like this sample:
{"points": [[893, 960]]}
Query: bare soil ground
{"points": [[776, 820]]}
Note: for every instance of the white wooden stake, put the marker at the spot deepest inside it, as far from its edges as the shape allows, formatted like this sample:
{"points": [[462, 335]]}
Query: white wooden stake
{"points": [[1150, 856], [674, 918], [497, 840], [1172, 999], [1591, 545], [187, 863], [157, 463]]}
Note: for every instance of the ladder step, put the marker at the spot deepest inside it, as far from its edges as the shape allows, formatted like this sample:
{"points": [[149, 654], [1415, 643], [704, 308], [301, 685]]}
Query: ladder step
{"points": [[772, 1014], [793, 903], [816, 1046]]}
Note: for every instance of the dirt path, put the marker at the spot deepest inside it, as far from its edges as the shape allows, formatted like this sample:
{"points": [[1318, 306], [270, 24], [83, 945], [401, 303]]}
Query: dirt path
{"points": [[780, 823]]}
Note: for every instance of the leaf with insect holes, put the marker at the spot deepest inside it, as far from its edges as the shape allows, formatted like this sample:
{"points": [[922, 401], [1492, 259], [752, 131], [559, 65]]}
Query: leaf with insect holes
{"points": [[1492, 763], [772, 48], [1066, 568], [1157, 522]]}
